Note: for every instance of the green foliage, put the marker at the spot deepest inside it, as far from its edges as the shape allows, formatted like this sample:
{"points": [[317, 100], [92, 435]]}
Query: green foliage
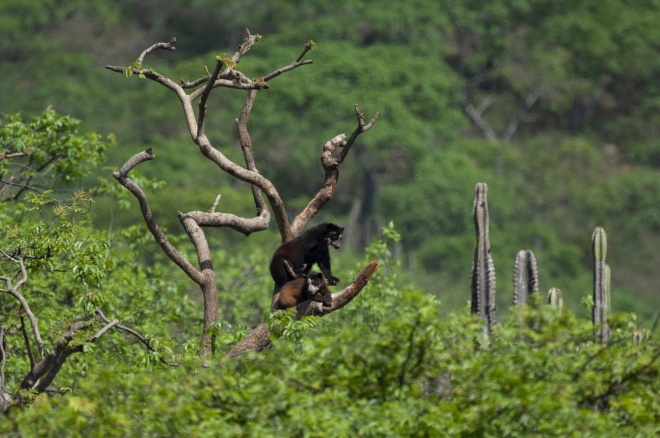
{"points": [[408, 127], [60, 241], [244, 284], [283, 325], [72, 268], [50, 143], [383, 290], [410, 373]]}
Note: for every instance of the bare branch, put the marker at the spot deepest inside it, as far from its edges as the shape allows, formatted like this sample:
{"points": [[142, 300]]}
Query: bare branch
{"points": [[128, 330], [13, 291], [246, 145], [54, 361], [103, 330], [208, 286], [480, 122], [136, 159], [243, 225], [197, 237], [290, 270], [259, 338], [250, 176], [246, 45], [234, 79], [164, 46], [153, 75], [330, 165], [205, 95], [325, 193], [307, 48], [361, 129], [6, 154], [193, 84], [153, 227], [215, 204], [530, 100], [10, 258], [483, 106], [295, 64], [289, 67], [232, 83]]}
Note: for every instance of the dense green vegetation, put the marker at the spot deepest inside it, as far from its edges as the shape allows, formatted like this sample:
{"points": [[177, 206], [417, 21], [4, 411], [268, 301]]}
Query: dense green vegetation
{"points": [[584, 152], [555, 105]]}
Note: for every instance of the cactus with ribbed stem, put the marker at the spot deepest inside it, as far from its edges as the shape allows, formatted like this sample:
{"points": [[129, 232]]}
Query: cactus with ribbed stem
{"points": [[601, 293], [525, 277], [483, 268], [556, 299]]}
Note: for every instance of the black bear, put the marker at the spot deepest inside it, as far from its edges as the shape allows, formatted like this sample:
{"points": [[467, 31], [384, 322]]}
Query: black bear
{"points": [[296, 257]]}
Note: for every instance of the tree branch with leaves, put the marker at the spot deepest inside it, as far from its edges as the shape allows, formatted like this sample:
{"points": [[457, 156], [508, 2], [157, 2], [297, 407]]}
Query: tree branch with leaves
{"points": [[44, 368]]}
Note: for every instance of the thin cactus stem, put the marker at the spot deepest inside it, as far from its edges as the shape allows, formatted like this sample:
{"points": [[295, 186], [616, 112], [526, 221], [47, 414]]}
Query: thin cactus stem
{"points": [[525, 277], [601, 285], [556, 299], [483, 268]]}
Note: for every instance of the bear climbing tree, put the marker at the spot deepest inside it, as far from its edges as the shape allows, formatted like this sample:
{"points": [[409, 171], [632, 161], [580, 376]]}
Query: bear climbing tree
{"points": [[202, 272]]}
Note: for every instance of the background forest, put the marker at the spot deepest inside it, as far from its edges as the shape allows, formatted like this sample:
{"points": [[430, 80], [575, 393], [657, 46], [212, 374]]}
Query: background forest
{"points": [[554, 104]]}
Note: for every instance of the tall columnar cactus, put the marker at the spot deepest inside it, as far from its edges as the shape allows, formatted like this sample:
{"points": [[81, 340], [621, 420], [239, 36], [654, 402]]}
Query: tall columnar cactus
{"points": [[556, 299], [483, 268], [601, 285], [525, 277]]}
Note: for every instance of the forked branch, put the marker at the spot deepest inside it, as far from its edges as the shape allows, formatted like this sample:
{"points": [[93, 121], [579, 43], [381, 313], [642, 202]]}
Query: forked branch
{"points": [[330, 162]]}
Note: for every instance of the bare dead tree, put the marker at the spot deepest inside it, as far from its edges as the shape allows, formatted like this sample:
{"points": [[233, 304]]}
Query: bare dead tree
{"points": [[476, 115], [334, 152]]}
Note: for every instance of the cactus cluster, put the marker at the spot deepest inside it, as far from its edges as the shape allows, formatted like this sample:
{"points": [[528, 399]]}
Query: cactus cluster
{"points": [[526, 277]]}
